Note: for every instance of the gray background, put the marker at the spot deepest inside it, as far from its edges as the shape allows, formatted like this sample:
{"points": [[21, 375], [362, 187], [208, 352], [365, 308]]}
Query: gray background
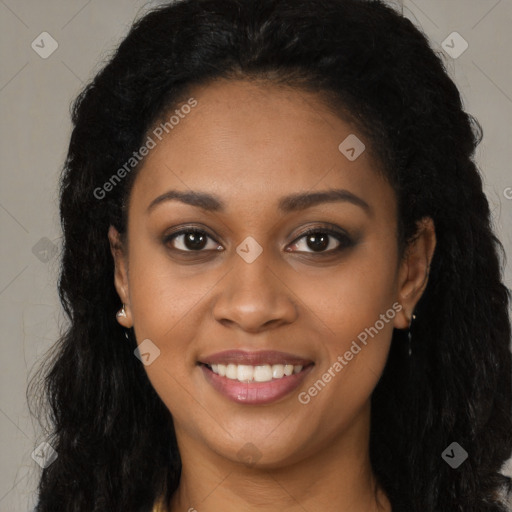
{"points": [[35, 95]]}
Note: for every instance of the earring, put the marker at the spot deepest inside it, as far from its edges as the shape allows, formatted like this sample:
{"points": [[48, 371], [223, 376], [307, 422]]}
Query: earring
{"points": [[409, 336], [121, 313]]}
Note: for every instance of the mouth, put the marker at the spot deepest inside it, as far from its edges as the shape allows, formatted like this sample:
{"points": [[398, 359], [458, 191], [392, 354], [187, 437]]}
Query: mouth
{"points": [[255, 377], [259, 373]]}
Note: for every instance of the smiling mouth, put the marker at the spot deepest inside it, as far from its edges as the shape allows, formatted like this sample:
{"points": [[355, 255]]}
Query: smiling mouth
{"points": [[255, 373], [256, 384]]}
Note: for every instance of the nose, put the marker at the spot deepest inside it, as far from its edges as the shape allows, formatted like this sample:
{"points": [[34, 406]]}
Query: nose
{"points": [[254, 297]]}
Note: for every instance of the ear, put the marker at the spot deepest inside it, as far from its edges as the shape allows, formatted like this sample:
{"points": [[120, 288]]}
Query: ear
{"points": [[120, 275], [414, 271]]}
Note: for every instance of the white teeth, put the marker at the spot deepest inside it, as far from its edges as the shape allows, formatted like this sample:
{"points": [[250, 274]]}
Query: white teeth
{"points": [[277, 371], [231, 371], [260, 373], [245, 373], [263, 373]]}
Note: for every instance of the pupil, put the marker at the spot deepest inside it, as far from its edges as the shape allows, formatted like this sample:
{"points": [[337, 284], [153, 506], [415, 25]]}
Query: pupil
{"points": [[195, 241], [318, 242]]}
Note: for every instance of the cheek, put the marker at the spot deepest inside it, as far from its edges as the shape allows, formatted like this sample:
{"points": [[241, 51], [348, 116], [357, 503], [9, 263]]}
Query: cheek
{"points": [[162, 301], [355, 308], [160, 292], [162, 304], [351, 296]]}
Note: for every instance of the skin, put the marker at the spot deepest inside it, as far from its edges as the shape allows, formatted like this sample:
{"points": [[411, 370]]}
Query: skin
{"points": [[250, 144]]}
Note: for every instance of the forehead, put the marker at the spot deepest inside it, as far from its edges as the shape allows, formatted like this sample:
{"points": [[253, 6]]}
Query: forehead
{"points": [[252, 143]]}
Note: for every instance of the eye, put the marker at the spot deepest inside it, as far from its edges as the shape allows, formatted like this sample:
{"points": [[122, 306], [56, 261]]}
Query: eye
{"points": [[319, 240], [322, 240], [191, 240]]}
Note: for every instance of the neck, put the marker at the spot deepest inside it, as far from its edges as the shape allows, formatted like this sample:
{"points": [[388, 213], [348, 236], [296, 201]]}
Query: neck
{"points": [[334, 476]]}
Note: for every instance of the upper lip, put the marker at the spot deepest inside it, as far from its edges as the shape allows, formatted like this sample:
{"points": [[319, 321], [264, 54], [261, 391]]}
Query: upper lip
{"points": [[254, 358]]}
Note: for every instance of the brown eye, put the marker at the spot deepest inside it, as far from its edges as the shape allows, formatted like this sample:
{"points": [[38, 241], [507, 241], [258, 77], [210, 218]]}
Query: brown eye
{"points": [[322, 240], [191, 240]]}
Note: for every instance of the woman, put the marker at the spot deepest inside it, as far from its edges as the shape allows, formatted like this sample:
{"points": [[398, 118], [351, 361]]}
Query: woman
{"points": [[283, 287]]}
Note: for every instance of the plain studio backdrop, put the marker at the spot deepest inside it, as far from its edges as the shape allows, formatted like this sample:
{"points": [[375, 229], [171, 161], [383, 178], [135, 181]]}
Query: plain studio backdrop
{"points": [[49, 51]]}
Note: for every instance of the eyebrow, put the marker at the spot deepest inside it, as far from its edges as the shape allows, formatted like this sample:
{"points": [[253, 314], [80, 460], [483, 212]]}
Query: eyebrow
{"points": [[287, 204]]}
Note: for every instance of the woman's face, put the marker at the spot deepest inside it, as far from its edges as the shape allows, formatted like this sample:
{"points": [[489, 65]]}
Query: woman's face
{"points": [[251, 281]]}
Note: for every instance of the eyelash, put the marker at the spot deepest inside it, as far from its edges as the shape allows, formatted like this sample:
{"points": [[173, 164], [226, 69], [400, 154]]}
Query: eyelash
{"points": [[344, 240]]}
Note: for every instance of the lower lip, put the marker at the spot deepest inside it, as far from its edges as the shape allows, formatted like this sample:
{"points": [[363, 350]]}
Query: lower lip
{"points": [[255, 393]]}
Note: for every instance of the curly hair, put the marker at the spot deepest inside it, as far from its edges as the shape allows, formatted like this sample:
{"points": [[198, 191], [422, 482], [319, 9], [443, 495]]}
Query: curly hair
{"points": [[114, 436]]}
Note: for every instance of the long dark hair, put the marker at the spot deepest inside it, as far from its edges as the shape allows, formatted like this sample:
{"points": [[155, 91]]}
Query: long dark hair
{"points": [[114, 437]]}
